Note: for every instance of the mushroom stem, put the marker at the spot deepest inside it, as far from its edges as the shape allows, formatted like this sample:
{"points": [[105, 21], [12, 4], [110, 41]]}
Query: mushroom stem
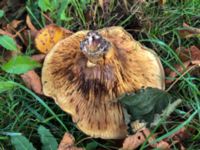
{"points": [[90, 64], [95, 47]]}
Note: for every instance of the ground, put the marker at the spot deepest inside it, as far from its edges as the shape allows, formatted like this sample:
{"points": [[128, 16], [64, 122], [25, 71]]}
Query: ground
{"points": [[156, 24]]}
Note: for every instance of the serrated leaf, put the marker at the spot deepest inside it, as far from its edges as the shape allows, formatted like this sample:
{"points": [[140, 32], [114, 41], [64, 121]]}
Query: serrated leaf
{"points": [[19, 65], [8, 43], [21, 143], [47, 139], [6, 86], [145, 104], [1, 13]]}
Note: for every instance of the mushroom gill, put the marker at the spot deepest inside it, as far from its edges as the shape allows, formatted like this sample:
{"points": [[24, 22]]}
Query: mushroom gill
{"points": [[86, 73]]}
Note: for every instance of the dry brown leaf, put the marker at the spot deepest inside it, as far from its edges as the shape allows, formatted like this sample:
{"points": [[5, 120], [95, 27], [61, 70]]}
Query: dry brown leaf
{"points": [[28, 36], [192, 53], [2, 32], [195, 62], [13, 25], [162, 2], [178, 68], [14, 30], [32, 81], [162, 145], [189, 31], [49, 36], [7, 55], [190, 57], [30, 33], [38, 57], [134, 141], [67, 143], [104, 4], [181, 134], [30, 25], [126, 4]]}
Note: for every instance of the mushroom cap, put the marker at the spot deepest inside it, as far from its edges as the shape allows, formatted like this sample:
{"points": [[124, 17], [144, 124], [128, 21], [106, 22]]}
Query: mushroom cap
{"points": [[90, 94]]}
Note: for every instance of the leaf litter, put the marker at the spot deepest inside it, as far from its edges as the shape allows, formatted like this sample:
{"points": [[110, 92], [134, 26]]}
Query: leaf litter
{"points": [[47, 37], [32, 79], [67, 143], [191, 63]]}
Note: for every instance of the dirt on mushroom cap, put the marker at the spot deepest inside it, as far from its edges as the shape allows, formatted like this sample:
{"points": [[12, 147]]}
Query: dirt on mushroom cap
{"points": [[89, 93]]}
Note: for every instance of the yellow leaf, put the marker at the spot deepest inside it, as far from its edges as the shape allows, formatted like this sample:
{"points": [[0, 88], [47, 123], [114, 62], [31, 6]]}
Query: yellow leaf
{"points": [[47, 37]]}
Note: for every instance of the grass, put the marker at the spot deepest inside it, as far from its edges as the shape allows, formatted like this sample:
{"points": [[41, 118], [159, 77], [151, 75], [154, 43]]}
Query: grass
{"points": [[21, 111]]}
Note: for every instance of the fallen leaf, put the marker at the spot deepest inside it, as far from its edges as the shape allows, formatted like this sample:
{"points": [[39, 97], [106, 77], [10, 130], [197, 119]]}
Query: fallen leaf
{"points": [[67, 143], [30, 25], [162, 145], [182, 134], [179, 136], [28, 36], [104, 4], [185, 54], [195, 62], [2, 32], [134, 141], [32, 81], [188, 31], [162, 2], [190, 57], [7, 55], [14, 29], [146, 104], [179, 68], [49, 36], [38, 57], [126, 4], [13, 25]]}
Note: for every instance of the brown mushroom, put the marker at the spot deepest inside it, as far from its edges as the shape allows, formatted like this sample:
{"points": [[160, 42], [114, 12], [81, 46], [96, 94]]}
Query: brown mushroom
{"points": [[86, 73]]}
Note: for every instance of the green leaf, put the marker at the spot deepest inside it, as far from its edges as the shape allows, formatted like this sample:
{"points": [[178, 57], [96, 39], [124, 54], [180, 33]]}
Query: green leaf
{"points": [[6, 86], [1, 13], [8, 43], [48, 140], [91, 146], [55, 4], [19, 65], [44, 5], [21, 143], [62, 11], [145, 104]]}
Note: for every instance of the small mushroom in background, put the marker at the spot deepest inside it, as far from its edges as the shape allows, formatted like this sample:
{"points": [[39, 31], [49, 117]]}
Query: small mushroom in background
{"points": [[86, 73]]}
